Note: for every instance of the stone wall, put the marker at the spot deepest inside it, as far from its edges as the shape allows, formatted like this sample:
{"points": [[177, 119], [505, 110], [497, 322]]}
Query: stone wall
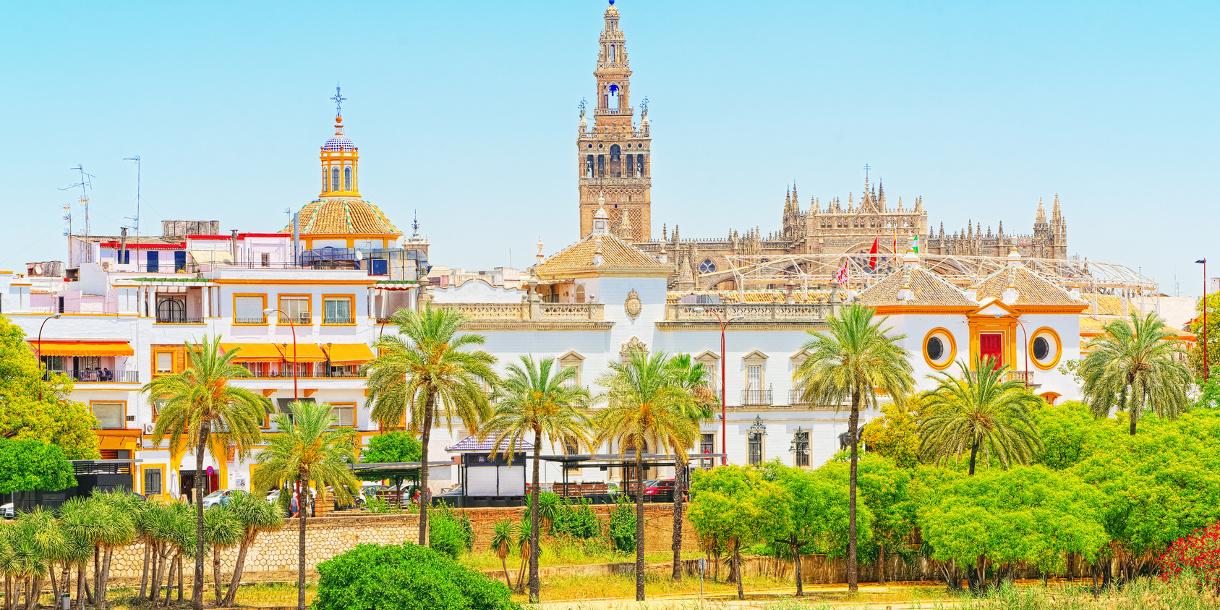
{"points": [[274, 554]]}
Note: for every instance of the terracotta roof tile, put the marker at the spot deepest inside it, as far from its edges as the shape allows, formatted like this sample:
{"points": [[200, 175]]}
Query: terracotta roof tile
{"points": [[926, 289], [617, 257], [1032, 289], [336, 215]]}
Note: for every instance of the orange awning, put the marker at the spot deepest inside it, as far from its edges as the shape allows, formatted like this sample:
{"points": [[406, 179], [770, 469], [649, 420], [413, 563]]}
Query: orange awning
{"points": [[122, 440], [349, 353], [101, 347], [253, 352], [305, 352]]}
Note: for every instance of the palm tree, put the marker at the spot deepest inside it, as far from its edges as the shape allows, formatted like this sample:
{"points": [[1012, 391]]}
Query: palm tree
{"points": [[201, 410], [540, 400], [308, 450], [256, 516], [645, 409], [502, 536], [428, 372], [1134, 366], [856, 359], [694, 378], [979, 411], [223, 530]]}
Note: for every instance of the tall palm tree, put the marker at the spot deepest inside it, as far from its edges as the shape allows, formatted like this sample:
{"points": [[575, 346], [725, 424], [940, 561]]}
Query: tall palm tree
{"points": [[200, 410], [538, 400], [309, 450], [855, 359], [693, 377], [425, 371], [1134, 366], [645, 409], [979, 411]]}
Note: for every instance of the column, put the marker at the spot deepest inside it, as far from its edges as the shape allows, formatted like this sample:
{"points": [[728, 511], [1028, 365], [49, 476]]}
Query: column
{"points": [[206, 309]]}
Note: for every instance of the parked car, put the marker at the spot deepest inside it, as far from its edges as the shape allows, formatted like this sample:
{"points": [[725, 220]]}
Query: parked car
{"points": [[217, 498], [660, 490], [7, 511]]}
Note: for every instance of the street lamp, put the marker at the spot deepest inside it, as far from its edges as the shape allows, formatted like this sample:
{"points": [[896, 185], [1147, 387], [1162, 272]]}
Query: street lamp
{"points": [[1025, 332], [293, 327], [1203, 261], [724, 420], [38, 348]]}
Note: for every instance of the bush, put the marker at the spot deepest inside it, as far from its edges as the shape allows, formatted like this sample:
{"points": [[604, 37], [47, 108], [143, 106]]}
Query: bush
{"points": [[622, 526], [380, 506], [576, 519], [407, 577], [450, 533], [1198, 554]]}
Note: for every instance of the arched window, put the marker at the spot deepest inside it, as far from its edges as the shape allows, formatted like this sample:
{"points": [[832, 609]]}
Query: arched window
{"points": [[589, 166], [334, 179], [347, 178], [639, 165], [615, 161], [707, 266], [613, 100], [613, 54], [601, 166], [325, 181]]}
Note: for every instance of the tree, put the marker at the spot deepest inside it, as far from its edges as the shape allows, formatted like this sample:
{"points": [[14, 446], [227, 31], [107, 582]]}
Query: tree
{"points": [[980, 412], [895, 434], [885, 492], [737, 506], [540, 400], [30, 465], [854, 360], [256, 516], [394, 447], [428, 372], [646, 410], [309, 450], [502, 536], [201, 410], [1134, 366], [693, 377], [223, 530], [34, 403], [1213, 336]]}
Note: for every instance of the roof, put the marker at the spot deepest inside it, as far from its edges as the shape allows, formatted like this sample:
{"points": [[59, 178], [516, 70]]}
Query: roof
{"points": [[601, 254], [913, 285], [338, 142], [1031, 288], [473, 444], [341, 215]]}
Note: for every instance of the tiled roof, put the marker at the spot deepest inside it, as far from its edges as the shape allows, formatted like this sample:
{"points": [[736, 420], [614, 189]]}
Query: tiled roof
{"points": [[617, 257], [338, 142], [338, 215], [1096, 325], [472, 444], [1032, 289], [913, 285]]}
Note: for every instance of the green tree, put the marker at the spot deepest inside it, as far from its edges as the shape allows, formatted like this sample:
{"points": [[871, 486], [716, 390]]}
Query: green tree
{"points": [[1134, 366], [309, 450], [979, 412], [199, 409], [395, 447], [737, 506], [1213, 336], [34, 403], [885, 492], [856, 359], [1069, 433], [895, 434], [255, 515], [646, 411], [223, 530], [694, 378], [539, 402], [427, 371], [30, 465]]}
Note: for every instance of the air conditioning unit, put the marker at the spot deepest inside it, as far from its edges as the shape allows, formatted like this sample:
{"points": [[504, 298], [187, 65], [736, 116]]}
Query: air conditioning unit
{"points": [[148, 428]]}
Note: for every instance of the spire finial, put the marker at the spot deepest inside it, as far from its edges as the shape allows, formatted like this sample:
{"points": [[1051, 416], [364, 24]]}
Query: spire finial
{"points": [[338, 99]]}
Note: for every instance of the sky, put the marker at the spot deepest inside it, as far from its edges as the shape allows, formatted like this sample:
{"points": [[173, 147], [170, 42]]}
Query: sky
{"points": [[466, 113]]}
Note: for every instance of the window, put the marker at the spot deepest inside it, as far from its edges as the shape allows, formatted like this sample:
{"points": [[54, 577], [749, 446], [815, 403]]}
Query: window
{"points": [[171, 309], [152, 480], [334, 179], [639, 166], [265, 259], [756, 392], [1042, 348], [110, 415], [800, 446], [939, 349], [295, 309], [337, 309], [756, 448], [707, 446], [601, 166], [707, 266], [248, 308], [347, 178], [345, 415], [1045, 348], [572, 360], [164, 362], [615, 161], [711, 368]]}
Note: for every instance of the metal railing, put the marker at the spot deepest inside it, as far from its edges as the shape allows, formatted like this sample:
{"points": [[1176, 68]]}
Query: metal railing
{"points": [[755, 398], [178, 319], [105, 376]]}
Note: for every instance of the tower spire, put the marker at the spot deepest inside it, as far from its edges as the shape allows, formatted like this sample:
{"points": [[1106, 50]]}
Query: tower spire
{"points": [[340, 158]]}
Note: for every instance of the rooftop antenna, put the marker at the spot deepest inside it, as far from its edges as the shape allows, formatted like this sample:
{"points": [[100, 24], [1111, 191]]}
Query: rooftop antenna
{"points": [[414, 224], [136, 158], [85, 185], [68, 229]]}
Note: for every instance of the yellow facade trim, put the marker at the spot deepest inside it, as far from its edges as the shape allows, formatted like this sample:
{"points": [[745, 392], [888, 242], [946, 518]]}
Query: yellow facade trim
{"points": [[952, 346], [1055, 342]]}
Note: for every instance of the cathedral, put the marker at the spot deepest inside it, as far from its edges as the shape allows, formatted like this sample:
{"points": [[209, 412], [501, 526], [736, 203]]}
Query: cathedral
{"points": [[615, 168]]}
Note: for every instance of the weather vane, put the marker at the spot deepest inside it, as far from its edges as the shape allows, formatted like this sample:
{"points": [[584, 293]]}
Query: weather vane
{"points": [[338, 99]]}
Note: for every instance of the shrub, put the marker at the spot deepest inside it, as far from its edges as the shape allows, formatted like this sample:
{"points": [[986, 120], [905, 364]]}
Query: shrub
{"points": [[450, 533], [576, 519], [407, 577], [622, 526], [1198, 553], [380, 506]]}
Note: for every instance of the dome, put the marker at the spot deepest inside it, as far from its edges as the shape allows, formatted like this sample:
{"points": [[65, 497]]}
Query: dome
{"points": [[343, 216], [338, 142]]}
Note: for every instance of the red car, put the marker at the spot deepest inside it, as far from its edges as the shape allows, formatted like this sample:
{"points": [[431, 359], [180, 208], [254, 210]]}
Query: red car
{"points": [[660, 490]]}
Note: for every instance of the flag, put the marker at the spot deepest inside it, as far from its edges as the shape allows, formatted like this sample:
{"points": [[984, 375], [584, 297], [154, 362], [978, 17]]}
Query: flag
{"points": [[915, 244], [872, 255], [841, 275]]}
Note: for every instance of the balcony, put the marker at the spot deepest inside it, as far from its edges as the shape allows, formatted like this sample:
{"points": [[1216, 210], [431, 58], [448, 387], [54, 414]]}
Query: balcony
{"points": [[317, 372], [490, 315], [746, 313], [1025, 377], [795, 398], [178, 318], [104, 376], [756, 398]]}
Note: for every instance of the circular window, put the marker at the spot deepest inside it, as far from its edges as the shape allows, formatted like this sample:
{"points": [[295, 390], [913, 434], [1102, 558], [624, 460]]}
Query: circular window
{"points": [[1045, 348], [939, 349], [707, 266]]}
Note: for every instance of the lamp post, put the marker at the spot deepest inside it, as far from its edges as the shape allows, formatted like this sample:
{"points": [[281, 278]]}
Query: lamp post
{"points": [[724, 420], [1203, 261], [1025, 332], [38, 348], [293, 327]]}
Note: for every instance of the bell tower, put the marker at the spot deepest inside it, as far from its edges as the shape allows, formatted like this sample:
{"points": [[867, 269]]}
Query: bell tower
{"points": [[614, 155]]}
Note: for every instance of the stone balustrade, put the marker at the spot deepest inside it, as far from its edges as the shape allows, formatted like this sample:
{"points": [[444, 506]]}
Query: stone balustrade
{"points": [[748, 312], [478, 313]]}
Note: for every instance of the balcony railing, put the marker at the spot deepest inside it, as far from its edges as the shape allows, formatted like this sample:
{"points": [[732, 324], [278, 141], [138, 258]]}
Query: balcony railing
{"points": [[104, 376], [748, 312], [179, 319], [1026, 377], [317, 373], [795, 397], [529, 312], [756, 398]]}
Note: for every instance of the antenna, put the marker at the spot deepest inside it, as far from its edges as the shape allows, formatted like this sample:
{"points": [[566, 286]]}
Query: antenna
{"points": [[866, 168], [136, 158], [85, 185]]}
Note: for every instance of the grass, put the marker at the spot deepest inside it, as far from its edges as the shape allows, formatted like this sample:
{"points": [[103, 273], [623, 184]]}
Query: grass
{"points": [[567, 552]]}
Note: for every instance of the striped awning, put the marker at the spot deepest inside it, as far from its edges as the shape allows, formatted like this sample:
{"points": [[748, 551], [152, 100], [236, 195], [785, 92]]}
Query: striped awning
{"points": [[253, 352], [94, 347], [349, 353]]}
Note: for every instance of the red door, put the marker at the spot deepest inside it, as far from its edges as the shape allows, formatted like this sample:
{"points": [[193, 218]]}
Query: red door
{"points": [[991, 347]]}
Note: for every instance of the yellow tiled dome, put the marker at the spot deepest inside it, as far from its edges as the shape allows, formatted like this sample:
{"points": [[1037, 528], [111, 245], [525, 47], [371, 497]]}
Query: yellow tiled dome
{"points": [[343, 216]]}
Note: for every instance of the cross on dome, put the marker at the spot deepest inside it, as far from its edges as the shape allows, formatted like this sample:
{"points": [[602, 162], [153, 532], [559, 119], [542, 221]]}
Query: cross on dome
{"points": [[338, 99]]}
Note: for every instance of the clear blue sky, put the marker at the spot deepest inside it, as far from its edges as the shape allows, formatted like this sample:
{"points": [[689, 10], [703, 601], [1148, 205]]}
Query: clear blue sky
{"points": [[467, 112]]}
